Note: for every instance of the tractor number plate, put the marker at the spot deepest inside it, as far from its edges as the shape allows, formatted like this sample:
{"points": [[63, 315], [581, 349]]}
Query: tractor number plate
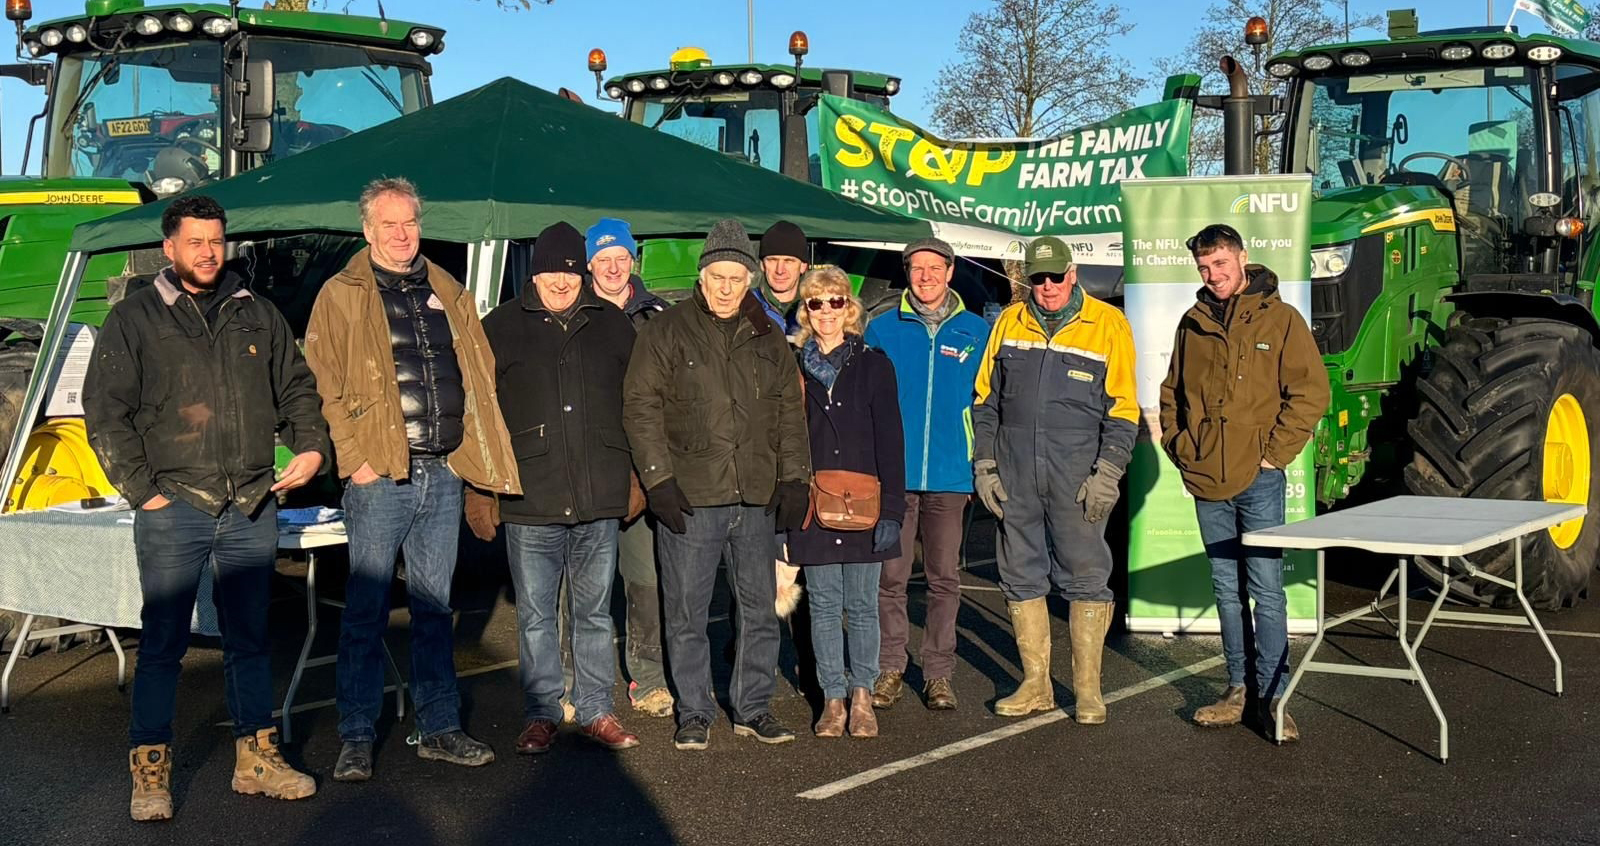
{"points": [[130, 126]]}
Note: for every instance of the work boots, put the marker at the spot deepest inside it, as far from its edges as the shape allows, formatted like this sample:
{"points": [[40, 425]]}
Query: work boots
{"points": [[1090, 621], [1269, 714], [151, 767], [863, 722], [259, 768], [1227, 711], [1030, 620]]}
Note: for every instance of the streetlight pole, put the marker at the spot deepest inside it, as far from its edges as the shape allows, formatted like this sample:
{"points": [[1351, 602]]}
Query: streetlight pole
{"points": [[750, 36]]}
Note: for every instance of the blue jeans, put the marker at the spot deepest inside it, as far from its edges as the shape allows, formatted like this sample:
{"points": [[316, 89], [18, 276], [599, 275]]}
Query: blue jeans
{"points": [[1259, 506], [744, 536], [586, 556], [176, 547], [853, 590], [422, 516]]}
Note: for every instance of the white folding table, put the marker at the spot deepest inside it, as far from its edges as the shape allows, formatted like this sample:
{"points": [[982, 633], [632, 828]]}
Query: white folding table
{"points": [[1441, 527], [317, 537]]}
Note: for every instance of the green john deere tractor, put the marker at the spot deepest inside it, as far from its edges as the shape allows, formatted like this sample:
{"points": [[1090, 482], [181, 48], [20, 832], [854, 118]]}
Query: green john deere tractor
{"points": [[1454, 262], [144, 102], [759, 113]]}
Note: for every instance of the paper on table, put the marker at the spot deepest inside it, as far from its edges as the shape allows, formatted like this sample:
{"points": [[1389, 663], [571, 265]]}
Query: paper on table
{"points": [[113, 502]]}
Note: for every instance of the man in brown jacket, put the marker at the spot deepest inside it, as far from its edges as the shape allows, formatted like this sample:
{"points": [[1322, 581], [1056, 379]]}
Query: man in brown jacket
{"points": [[408, 390], [1242, 396]]}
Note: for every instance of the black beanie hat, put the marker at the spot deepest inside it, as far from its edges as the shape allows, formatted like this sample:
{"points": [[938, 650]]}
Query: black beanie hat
{"points": [[785, 239], [559, 249]]}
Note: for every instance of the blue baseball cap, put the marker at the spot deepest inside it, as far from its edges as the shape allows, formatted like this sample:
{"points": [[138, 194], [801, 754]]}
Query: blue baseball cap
{"points": [[609, 232]]}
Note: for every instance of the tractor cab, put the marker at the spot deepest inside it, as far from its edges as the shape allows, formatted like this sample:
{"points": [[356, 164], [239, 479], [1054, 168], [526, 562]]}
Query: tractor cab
{"points": [[1497, 129], [762, 114], [173, 97]]}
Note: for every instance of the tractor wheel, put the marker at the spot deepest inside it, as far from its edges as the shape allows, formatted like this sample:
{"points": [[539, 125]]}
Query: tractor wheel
{"points": [[16, 365], [1510, 411]]}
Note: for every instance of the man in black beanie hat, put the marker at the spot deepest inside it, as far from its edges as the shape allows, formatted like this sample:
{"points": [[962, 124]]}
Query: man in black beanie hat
{"points": [[714, 413], [560, 355], [785, 256]]}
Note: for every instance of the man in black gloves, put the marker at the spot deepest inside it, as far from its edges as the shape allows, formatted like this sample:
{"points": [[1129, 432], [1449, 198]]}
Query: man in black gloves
{"points": [[713, 409]]}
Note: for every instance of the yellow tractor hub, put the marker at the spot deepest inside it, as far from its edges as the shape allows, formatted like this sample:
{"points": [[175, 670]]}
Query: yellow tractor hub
{"points": [[57, 467], [1566, 464]]}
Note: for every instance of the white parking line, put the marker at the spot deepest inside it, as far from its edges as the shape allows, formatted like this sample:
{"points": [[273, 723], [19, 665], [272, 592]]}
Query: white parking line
{"points": [[1012, 730]]}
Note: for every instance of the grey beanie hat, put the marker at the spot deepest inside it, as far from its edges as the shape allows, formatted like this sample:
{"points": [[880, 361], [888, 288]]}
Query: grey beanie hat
{"points": [[727, 241]]}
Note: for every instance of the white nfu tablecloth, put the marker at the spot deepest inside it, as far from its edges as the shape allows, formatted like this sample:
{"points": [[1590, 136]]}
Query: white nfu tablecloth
{"points": [[80, 567]]}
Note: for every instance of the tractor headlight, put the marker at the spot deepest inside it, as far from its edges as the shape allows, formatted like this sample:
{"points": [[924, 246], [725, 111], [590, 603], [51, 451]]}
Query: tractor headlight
{"points": [[421, 39], [1317, 62], [1281, 70], [77, 34], [614, 92], [147, 26], [723, 78], [892, 87], [781, 80], [750, 77], [1497, 50], [217, 27], [659, 83], [1545, 53], [50, 38], [179, 22], [1328, 262], [635, 86]]}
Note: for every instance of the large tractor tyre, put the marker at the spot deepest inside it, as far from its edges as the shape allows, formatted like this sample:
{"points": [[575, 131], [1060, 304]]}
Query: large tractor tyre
{"points": [[1509, 411], [16, 365]]}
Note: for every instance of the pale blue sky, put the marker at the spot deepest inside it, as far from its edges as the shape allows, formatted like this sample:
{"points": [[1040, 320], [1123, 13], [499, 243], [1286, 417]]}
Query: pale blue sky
{"points": [[548, 45]]}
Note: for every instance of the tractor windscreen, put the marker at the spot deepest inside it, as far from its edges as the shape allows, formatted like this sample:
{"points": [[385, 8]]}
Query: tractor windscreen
{"points": [[154, 114], [744, 124], [1462, 129]]}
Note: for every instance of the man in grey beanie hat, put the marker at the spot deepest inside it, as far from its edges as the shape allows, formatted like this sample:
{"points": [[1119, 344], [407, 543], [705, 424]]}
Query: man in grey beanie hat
{"points": [[714, 414]]}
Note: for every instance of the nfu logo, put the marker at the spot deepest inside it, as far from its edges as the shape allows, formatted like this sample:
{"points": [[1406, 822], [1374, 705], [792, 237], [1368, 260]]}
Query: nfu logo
{"points": [[1265, 203]]}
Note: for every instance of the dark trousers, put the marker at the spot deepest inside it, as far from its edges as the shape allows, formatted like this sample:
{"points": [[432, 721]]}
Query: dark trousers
{"points": [[177, 546], [636, 564], [936, 518], [1044, 538], [744, 536], [422, 516]]}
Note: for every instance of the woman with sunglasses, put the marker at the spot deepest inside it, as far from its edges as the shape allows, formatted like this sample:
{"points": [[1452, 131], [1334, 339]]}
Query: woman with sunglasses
{"points": [[853, 416]]}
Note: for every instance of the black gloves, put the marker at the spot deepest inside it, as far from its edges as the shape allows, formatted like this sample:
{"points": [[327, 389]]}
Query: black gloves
{"points": [[791, 501], [886, 537], [668, 503]]}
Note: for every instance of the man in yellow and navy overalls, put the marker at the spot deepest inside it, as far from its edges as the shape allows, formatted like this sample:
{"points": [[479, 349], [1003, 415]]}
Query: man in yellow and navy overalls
{"points": [[1053, 427]]}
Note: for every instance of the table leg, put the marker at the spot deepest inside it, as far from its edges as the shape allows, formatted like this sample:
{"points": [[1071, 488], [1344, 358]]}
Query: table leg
{"points": [[1305, 661], [305, 647], [11, 663], [122, 660], [1411, 658], [1438, 602], [1533, 620], [1377, 601]]}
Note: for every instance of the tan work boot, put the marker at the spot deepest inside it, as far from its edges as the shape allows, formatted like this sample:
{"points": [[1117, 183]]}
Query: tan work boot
{"points": [[831, 724], [259, 767], [888, 690], [1227, 711], [1090, 621], [1030, 620], [1269, 713], [151, 767]]}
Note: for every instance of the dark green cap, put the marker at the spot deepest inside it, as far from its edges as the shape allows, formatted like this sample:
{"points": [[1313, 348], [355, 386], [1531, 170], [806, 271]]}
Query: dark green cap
{"points": [[1047, 255]]}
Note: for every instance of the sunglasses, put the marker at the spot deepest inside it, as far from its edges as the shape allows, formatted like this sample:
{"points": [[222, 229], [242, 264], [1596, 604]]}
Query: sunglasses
{"points": [[835, 303], [1046, 279]]}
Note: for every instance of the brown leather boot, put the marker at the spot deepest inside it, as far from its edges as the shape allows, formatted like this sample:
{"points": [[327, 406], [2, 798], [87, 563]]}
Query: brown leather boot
{"points": [[863, 722], [608, 732], [1031, 622], [831, 724], [1090, 621], [259, 768], [1227, 711], [151, 767], [888, 690], [941, 696]]}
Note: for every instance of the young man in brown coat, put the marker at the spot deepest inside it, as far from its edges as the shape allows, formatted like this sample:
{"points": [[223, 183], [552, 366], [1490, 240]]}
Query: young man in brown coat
{"points": [[1242, 396], [408, 390]]}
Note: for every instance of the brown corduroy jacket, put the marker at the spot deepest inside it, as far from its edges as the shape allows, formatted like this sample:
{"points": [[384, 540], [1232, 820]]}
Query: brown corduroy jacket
{"points": [[1248, 387], [347, 346]]}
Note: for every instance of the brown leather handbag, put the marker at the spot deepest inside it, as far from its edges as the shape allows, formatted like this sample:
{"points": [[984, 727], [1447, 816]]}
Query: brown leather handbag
{"points": [[844, 500]]}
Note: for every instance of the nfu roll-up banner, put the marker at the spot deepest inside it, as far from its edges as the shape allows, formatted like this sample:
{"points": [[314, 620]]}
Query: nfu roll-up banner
{"points": [[1064, 186], [1169, 575]]}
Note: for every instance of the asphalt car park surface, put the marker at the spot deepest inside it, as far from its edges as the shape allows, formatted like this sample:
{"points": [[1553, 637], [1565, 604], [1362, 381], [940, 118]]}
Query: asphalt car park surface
{"points": [[1521, 770]]}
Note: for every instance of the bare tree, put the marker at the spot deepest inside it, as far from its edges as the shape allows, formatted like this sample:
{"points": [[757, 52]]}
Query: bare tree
{"points": [[1292, 25], [1034, 68]]}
